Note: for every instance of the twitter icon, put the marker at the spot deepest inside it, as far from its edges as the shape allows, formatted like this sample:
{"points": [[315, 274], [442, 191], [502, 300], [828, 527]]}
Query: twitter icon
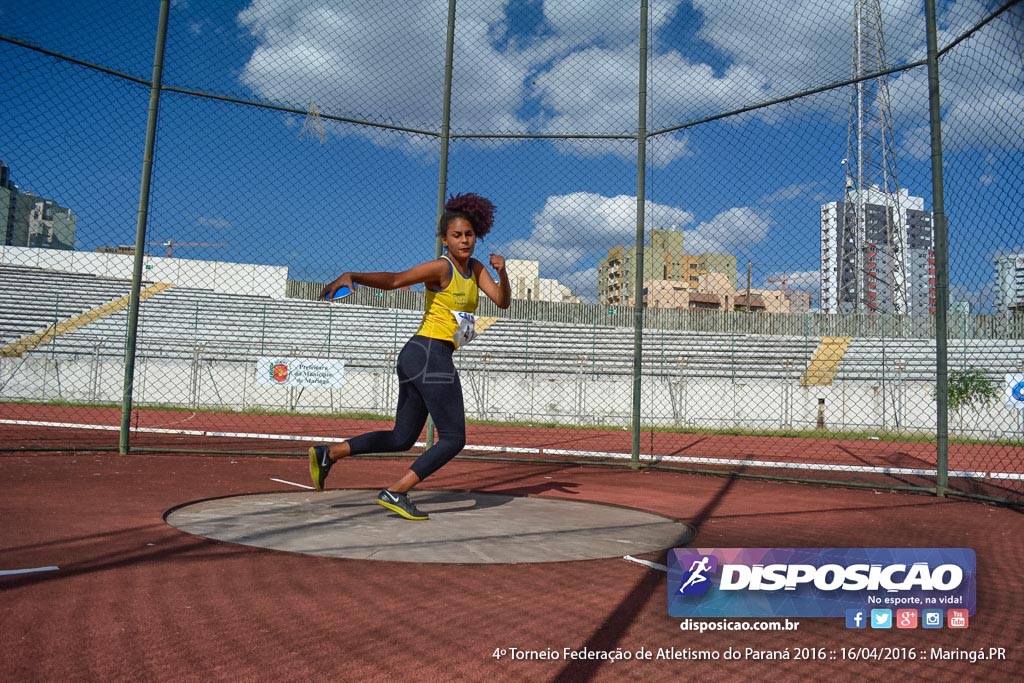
{"points": [[881, 618]]}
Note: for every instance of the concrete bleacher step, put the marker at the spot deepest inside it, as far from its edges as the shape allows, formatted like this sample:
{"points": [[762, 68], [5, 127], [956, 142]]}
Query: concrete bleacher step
{"points": [[73, 304], [183, 323]]}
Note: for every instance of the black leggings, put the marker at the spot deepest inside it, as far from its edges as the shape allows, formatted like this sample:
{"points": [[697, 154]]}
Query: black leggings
{"points": [[428, 383]]}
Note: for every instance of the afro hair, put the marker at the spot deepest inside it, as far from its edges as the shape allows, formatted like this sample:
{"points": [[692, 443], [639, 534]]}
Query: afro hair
{"points": [[479, 211]]}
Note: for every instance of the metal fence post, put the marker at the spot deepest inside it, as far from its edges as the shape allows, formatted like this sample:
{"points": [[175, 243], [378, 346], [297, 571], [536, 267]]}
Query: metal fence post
{"points": [[941, 259], [140, 226], [641, 177], [442, 171]]}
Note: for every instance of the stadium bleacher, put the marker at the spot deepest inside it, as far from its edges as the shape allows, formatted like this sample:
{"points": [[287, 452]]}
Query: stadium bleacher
{"points": [[32, 299], [178, 322]]}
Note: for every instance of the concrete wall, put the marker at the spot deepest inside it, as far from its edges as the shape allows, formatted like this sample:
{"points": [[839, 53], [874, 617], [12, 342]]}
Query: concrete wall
{"points": [[580, 398], [228, 278]]}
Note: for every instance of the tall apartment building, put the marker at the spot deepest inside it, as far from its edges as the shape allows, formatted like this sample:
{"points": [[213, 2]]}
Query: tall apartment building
{"points": [[1010, 283], [664, 259], [27, 220], [877, 254]]}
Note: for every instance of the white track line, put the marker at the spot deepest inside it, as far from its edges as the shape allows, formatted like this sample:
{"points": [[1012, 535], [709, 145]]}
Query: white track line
{"points": [[644, 458], [646, 563], [292, 483], [178, 432], [13, 572]]}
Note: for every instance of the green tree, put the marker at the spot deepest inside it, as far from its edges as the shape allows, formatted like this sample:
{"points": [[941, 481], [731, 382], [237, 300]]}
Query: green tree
{"points": [[970, 386]]}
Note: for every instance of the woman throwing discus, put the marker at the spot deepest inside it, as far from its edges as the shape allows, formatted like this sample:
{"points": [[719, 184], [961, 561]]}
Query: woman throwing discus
{"points": [[428, 381]]}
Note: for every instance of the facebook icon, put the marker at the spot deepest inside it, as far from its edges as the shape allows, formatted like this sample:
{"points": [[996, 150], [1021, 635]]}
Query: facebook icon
{"points": [[855, 618]]}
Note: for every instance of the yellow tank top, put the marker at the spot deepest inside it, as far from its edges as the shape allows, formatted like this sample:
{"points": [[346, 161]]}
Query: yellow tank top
{"points": [[459, 295]]}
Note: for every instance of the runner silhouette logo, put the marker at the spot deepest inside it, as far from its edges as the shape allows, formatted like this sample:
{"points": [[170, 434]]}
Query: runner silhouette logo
{"points": [[697, 579]]}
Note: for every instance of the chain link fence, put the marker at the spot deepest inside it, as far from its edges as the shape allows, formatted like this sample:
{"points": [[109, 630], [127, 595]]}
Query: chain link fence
{"points": [[181, 179]]}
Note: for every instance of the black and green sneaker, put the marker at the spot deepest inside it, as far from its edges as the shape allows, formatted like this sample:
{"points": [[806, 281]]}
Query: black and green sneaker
{"points": [[400, 503], [319, 465]]}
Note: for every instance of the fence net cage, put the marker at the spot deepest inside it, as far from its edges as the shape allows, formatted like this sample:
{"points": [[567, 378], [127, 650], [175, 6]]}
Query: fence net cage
{"points": [[741, 238]]}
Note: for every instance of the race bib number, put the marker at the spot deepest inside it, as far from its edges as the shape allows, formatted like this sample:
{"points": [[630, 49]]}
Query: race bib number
{"points": [[465, 331]]}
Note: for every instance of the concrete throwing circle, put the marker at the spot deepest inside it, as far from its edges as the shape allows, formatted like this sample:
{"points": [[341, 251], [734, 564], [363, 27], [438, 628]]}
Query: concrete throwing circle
{"points": [[464, 527]]}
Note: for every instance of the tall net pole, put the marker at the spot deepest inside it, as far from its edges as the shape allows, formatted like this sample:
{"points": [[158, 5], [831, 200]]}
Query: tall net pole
{"points": [[872, 274]]}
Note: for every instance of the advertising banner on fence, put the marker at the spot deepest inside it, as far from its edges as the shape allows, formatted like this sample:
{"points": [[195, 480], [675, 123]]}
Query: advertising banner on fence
{"points": [[817, 582], [1014, 392], [300, 372]]}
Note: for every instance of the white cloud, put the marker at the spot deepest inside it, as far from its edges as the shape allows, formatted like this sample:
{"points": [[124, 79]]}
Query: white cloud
{"points": [[582, 283], [596, 149], [579, 228], [582, 225], [802, 42], [592, 221], [774, 53], [346, 59], [356, 61], [610, 21], [361, 61], [685, 90], [592, 91], [794, 191], [982, 92], [731, 231], [595, 91], [664, 149], [987, 118], [979, 117], [551, 256], [212, 222], [916, 143], [583, 73], [804, 281]]}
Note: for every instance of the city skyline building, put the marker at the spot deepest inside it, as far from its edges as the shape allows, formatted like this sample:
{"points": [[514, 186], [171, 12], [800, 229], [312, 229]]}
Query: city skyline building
{"points": [[527, 284], [28, 220], [715, 292], [1010, 283], [877, 254], [664, 259]]}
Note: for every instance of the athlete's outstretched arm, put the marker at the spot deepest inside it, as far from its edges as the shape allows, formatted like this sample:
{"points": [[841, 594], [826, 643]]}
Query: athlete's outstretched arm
{"points": [[435, 271]]}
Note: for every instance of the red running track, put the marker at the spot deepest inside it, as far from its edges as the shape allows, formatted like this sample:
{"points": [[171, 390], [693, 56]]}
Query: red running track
{"points": [[875, 462], [137, 600]]}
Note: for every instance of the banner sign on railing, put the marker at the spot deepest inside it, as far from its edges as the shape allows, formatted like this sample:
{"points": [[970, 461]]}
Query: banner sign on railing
{"points": [[300, 372]]}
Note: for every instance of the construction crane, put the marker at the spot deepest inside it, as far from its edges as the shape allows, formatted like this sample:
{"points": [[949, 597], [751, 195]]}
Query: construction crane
{"points": [[170, 244], [781, 281]]}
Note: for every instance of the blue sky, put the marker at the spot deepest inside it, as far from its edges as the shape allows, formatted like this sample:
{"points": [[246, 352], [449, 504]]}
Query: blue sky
{"points": [[365, 198]]}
